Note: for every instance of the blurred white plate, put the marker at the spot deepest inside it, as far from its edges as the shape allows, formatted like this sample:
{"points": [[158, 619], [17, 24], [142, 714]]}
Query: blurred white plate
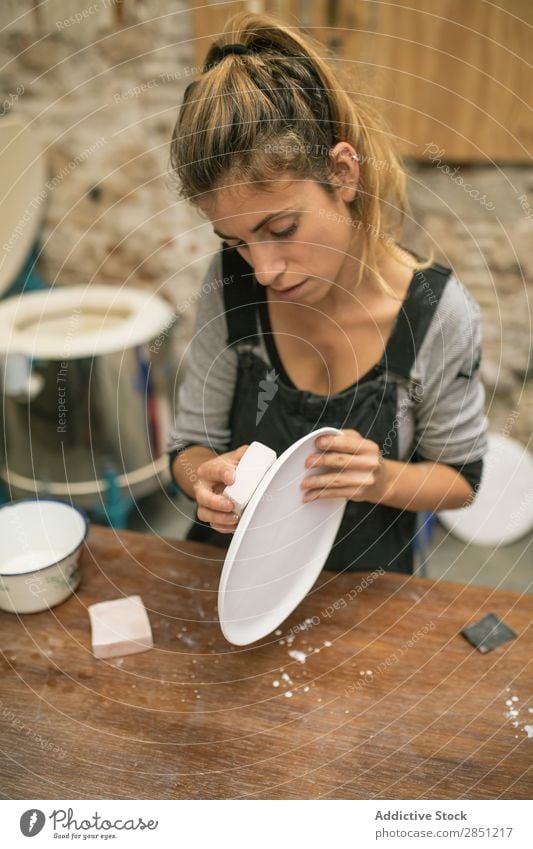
{"points": [[278, 549], [502, 511]]}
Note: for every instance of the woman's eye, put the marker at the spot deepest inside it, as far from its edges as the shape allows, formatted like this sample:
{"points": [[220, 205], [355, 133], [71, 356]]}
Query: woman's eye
{"points": [[283, 235], [289, 232]]}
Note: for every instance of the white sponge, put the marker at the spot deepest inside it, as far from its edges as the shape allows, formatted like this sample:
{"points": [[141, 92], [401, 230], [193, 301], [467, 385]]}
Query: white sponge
{"points": [[120, 627], [252, 467]]}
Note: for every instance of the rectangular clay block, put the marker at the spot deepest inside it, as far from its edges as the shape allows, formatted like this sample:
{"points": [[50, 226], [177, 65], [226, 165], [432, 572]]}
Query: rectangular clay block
{"points": [[252, 467], [120, 627]]}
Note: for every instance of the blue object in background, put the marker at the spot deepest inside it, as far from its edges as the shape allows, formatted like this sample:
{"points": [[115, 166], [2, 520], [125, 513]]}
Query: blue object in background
{"points": [[423, 540], [28, 279]]}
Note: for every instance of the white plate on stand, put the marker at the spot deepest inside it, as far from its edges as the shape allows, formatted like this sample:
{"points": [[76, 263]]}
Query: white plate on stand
{"points": [[278, 549]]}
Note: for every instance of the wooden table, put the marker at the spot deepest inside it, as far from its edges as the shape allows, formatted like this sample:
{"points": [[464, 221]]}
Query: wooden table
{"points": [[198, 718]]}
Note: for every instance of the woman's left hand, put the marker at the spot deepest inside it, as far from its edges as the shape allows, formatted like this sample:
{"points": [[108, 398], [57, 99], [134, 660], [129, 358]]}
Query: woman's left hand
{"points": [[355, 468]]}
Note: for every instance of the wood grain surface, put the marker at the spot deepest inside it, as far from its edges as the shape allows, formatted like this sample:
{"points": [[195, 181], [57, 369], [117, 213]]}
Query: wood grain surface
{"points": [[391, 701]]}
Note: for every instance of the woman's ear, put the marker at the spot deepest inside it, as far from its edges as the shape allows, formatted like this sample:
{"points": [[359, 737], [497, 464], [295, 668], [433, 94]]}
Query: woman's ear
{"points": [[345, 171]]}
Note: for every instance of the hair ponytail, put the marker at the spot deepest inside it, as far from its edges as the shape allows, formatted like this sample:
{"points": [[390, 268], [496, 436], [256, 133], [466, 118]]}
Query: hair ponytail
{"points": [[279, 107]]}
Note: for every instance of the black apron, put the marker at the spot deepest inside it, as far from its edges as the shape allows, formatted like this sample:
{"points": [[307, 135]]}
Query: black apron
{"points": [[270, 411]]}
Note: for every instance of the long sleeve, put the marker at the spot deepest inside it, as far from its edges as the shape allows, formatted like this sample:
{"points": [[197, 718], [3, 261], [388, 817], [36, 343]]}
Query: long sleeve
{"points": [[205, 395], [451, 426]]}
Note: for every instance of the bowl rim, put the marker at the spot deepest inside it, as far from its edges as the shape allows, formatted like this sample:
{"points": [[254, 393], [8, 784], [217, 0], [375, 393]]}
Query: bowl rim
{"points": [[78, 510]]}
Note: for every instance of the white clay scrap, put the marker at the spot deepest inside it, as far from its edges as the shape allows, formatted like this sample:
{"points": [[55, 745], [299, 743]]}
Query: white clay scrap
{"points": [[300, 656]]}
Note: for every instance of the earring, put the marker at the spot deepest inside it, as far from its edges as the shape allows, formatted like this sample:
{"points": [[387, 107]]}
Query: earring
{"points": [[356, 156]]}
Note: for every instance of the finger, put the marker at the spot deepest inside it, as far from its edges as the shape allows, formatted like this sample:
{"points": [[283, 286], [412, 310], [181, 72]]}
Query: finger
{"points": [[338, 439], [223, 530], [222, 469], [205, 497], [337, 460], [338, 479], [217, 518], [238, 453], [218, 470], [348, 440], [351, 494]]}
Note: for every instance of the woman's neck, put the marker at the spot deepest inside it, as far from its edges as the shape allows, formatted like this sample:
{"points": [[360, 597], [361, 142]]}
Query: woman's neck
{"points": [[347, 297]]}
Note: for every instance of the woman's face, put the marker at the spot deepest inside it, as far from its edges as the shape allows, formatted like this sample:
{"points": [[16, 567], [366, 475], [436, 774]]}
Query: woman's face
{"points": [[299, 240]]}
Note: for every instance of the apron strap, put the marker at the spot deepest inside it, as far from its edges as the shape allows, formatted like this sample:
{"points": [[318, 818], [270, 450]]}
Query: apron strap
{"points": [[240, 298], [414, 318]]}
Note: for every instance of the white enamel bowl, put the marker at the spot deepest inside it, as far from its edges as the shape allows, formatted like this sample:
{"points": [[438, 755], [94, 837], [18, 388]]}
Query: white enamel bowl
{"points": [[40, 546]]}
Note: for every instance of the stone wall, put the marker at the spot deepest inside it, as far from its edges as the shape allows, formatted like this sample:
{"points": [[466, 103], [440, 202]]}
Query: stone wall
{"points": [[479, 221], [102, 98]]}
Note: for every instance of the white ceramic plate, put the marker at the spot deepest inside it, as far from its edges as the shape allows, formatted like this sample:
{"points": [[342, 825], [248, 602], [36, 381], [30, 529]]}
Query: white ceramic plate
{"points": [[278, 549], [95, 319], [502, 511]]}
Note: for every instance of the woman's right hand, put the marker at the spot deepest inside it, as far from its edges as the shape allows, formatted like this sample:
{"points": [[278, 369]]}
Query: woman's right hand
{"points": [[213, 476]]}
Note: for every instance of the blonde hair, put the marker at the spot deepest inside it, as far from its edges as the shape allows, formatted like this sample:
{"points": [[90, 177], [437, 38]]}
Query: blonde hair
{"points": [[279, 109]]}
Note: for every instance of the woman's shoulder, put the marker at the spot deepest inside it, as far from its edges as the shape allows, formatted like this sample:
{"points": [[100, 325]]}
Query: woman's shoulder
{"points": [[457, 301], [454, 334]]}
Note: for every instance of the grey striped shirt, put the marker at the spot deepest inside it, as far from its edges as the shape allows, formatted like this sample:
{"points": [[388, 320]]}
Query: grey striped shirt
{"points": [[444, 421]]}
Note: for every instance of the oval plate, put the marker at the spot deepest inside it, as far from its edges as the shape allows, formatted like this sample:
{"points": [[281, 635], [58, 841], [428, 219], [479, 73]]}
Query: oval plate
{"points": [[278, 549]]}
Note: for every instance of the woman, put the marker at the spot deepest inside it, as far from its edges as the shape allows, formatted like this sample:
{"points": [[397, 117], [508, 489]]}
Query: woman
{"points": [[312, 314]]}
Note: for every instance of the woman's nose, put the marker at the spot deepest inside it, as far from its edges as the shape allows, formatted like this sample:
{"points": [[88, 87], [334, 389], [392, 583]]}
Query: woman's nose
{"points": [[267, 263]]}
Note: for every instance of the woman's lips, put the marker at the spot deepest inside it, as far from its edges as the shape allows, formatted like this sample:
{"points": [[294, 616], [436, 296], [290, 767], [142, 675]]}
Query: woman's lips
{"points": [[293, 292]]}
